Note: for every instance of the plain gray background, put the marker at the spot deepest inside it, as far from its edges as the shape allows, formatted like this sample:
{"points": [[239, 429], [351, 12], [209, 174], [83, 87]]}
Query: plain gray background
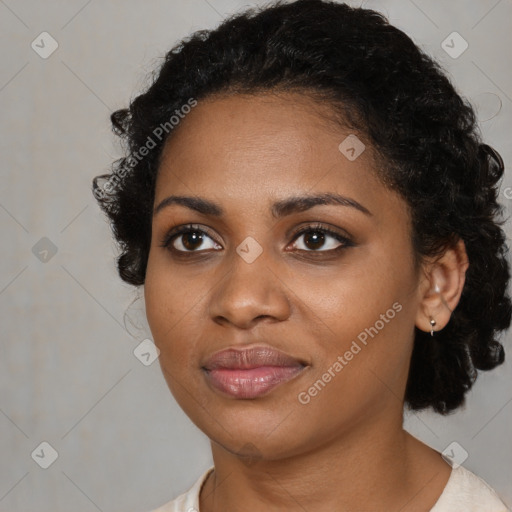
{"points": [[68, 373]]}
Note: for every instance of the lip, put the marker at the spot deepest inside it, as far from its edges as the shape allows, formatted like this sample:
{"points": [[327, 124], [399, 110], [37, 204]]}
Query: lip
{"points": [[251, 372]]}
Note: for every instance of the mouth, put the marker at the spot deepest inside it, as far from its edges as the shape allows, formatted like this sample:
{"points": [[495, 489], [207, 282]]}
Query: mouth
{"points": [[250, 373]]}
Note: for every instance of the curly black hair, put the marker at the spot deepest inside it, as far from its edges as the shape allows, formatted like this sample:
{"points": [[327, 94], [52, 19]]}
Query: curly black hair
{"points": [[399, 99]]}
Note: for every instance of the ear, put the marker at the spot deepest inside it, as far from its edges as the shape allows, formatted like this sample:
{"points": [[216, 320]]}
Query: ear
{"points": [[441, 288]]}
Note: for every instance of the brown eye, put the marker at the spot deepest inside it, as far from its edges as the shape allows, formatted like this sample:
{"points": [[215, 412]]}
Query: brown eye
{"points": [[189, 239], [320, 239], [314, 240]]}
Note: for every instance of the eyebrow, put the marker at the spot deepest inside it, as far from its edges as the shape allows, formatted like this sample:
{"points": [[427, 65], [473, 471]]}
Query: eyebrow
{"points": [[279, 209]]}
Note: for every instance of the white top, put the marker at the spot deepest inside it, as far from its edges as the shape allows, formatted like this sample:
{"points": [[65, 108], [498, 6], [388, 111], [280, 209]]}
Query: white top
{"points": [[464, 492]]}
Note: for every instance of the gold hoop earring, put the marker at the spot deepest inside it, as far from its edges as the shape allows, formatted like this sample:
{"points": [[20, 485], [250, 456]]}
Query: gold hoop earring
{"points": [[432, 323]]}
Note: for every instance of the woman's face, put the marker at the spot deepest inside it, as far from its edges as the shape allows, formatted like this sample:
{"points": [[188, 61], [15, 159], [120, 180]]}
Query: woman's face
{"points": [[318, 326]]}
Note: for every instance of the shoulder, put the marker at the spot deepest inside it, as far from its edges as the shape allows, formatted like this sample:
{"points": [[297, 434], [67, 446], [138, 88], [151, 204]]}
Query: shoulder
{"points": [[466, 491], [188, 501]]}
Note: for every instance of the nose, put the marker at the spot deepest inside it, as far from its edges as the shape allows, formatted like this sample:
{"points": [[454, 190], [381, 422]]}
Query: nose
{"points": [[249, 293]]}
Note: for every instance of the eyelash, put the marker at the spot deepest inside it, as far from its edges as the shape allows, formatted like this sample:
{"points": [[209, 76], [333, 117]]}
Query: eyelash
{"points": [[314, 228]]}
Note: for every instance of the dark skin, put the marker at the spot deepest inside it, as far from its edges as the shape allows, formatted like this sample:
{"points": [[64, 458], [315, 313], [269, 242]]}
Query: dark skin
{"points": [[346, 449]]}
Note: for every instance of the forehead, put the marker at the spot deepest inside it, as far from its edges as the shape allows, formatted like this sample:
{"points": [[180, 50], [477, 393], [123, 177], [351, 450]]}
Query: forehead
{"points": [[276, 140], [282, 122]]}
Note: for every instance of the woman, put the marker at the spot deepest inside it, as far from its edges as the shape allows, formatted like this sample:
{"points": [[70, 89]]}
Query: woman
{"points": [[313, 216]]}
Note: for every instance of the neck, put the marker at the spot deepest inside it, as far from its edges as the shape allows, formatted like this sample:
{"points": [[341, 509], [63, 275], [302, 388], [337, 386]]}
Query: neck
{"points": [[375, 466]]}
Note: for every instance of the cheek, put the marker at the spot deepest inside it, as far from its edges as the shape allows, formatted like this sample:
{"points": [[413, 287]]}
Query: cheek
{"points": [[170, 319], [351, 298], [168, 306], [363, 312], [168, 297], [176, 310]]}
